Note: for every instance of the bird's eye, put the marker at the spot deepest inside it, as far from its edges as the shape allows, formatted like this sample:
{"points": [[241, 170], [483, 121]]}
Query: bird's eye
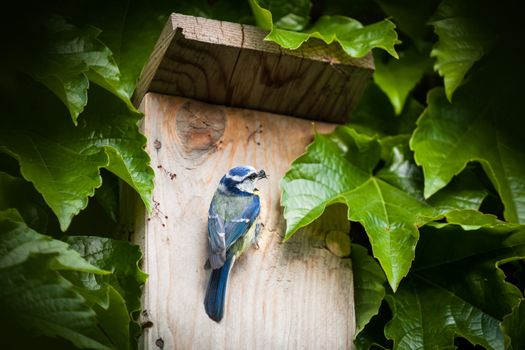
{"points": [[252, 176]]}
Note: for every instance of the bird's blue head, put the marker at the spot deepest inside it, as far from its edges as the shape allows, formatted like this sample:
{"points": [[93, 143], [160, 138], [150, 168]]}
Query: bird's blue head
{"points": [[241, 180]]}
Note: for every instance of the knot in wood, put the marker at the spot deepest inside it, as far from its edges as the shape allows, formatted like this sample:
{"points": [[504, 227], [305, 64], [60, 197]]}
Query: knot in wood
{"points": [[199, 127]]}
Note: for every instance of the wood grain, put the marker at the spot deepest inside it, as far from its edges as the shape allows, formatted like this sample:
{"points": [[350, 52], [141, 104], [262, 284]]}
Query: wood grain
{"points": [[294, 295], [230, 64]]}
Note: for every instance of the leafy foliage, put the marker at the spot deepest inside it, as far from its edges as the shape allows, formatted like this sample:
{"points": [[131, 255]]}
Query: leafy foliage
{"points": [[514, 324], [63, 160], [67, 115], [289, 28], [33, 291], [464, 37], [456, 289], [369, 287], [389, 215], [20, 195], [451, 135], [83, 291], [120, 257], [388, 203], [71, 58], [398, 77], [439, 203]]}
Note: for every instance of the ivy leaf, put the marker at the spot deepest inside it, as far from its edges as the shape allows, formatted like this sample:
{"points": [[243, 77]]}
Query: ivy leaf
{"points": [[470, 219], [449, 136], [130, 29], [464, 37], [513, 325], [391, 196], [122, 142], [120, 257], [354, 38], [21, 195], [337, 168], [400, 169], [19, 242], [108, 195], [63, 161], [115, 319], [113, 297], [33, 293], [398, 77], [373, 336], [410, 16], [465, 191], [374, 114], [71, 58], [369, 289], [263, 17], [289, 15], [456, 289], [419, 323], [38, 298], [65, 179]]}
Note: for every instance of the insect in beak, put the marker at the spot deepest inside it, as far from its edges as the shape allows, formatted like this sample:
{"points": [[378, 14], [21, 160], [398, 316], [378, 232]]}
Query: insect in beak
{"points": [[262, 175]]}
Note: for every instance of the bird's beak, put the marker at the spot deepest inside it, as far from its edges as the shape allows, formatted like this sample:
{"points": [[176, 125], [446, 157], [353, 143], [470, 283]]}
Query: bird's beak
{"points": [[262, 175]]}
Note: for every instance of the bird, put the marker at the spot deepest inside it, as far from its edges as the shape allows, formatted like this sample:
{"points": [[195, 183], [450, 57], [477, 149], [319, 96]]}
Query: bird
{"points": [[233, 226]]}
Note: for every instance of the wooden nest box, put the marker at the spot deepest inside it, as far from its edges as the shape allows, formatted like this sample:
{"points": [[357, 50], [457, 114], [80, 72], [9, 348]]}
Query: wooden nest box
{"points": [[215, 95]]}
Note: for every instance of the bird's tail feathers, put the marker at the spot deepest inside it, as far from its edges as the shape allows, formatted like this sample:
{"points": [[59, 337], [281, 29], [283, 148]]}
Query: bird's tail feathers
{"points": [[216, 291]]}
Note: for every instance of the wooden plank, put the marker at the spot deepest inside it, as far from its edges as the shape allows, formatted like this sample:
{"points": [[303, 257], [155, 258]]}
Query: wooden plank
{"points": [[281, 296], [230, 64]]}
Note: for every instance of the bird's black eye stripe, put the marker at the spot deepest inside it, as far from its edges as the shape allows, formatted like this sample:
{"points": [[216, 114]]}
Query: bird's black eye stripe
{"points": [[252, 176]]}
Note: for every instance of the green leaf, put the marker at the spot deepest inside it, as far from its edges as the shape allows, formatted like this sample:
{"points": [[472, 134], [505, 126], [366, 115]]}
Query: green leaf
{"points": [[449, 136], [289, 15], [38, 298], [419, 323], [374, 114], [114, 297], [130, 29], [64, 161], [369, 289], [456, 289], [464, 37], [398, 77], [120, 257], [115, 319], [263, 17], [513, 325], [21, 195], [410, 16], [337, 168], [19, 242], [108, 195], [465, 191], [63, 176], [354, 38], [400, 169], [373, 336], [34, 295], [470, 219], [70, 59], [121, 140]]}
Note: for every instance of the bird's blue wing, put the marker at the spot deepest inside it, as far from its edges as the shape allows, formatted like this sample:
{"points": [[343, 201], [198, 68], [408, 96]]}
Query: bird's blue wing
{"points": [[216, 239], [237, 227]]}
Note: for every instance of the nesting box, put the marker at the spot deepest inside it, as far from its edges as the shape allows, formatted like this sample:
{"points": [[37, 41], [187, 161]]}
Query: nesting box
{"points": [[216, 95]]}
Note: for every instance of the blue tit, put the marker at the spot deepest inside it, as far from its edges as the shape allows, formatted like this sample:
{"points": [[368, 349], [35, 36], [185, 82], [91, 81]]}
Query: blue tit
{"points": [[233, 226]]}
